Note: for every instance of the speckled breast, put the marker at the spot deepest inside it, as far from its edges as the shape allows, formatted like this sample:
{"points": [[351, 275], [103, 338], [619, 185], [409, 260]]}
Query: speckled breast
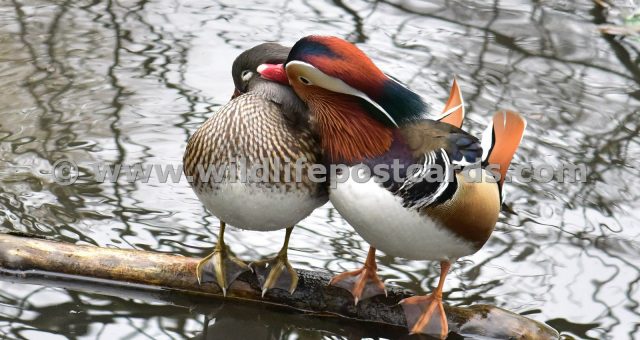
{"points": [[250, 166]]}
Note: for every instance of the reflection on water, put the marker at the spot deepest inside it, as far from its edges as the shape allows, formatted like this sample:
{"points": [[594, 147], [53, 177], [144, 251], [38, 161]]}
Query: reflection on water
{"points": [[127, 82]]}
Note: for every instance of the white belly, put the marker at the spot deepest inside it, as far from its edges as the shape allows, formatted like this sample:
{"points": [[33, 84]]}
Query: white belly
{"points": [[379, 217], [258, 209]]}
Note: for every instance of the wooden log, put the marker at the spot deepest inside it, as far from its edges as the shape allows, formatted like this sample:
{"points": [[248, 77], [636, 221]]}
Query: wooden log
{"points": [[36, 260]]}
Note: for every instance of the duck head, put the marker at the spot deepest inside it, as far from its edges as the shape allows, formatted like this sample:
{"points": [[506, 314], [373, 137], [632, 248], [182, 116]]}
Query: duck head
{"points": [[353, 104], [247, 79]]}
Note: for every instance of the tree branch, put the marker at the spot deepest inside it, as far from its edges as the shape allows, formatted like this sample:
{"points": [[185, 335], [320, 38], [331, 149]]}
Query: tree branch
{"points": [[25, 258]]}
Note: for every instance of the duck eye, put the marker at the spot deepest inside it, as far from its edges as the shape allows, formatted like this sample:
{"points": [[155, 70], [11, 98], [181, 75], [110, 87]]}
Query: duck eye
{"points": [[246, 75], [304, 80]]}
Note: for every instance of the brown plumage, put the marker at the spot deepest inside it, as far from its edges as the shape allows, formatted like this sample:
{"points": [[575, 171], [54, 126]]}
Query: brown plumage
{"points": [[478, 199], [253, 128], [428, 135]]}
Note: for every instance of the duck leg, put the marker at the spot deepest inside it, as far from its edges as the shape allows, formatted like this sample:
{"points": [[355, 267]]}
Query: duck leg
{"points": [[221, 263], [277, 272], [425, 314], [364, 282]]}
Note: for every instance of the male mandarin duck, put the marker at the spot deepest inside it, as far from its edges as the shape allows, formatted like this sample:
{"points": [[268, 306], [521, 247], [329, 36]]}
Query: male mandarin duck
{"points": [[364, 282], [264, 122], [366, 117]]}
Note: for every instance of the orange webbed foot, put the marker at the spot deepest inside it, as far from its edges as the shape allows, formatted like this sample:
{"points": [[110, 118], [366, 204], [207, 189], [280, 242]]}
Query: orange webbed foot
{"points": [[364, 282], [425, 315]]}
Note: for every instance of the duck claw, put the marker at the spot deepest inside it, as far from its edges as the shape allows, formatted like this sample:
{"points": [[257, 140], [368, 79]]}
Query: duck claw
{"points": [[220, 267], [275, 273]]}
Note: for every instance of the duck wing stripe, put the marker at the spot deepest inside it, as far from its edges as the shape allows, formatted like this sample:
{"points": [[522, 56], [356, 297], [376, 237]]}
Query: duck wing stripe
{"points": [[427, 185]]}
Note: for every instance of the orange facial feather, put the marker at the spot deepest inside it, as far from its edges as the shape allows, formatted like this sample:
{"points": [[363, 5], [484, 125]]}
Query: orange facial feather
{"points": [[347, 133]]}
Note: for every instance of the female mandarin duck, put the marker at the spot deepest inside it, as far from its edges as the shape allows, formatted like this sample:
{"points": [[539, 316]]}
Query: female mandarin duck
{"points": [[363, 116], [264, 122]]}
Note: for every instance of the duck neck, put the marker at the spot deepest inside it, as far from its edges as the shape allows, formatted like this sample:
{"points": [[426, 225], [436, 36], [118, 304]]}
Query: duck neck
{"points": [[280, 94], [349, 134]]}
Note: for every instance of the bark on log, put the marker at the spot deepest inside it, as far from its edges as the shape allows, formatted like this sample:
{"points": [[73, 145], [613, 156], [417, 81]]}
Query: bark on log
{"points": [[72, 266]]}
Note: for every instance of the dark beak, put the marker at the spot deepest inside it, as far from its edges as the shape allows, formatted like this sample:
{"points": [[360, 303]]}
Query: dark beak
{"points": [[236, 93]]}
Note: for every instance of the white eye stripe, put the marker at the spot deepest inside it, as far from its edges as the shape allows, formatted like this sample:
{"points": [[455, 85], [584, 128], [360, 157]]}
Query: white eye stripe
{"points": [[334, 84], [246, 75]]}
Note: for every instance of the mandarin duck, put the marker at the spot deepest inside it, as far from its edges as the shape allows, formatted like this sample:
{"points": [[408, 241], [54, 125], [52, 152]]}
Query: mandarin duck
{"points": [[364, 282], [364, 117], [264, 128]]}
